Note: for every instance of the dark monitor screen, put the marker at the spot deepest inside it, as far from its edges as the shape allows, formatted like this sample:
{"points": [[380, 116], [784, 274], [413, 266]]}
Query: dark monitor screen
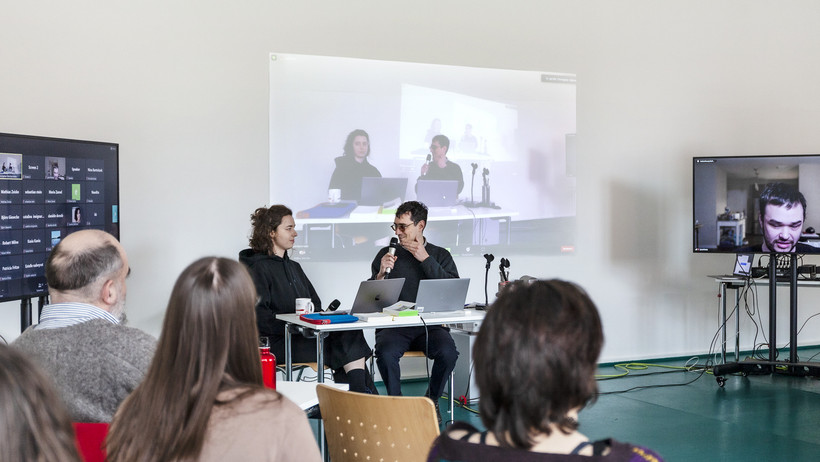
{"points": [[50, 188], [756, 204]]}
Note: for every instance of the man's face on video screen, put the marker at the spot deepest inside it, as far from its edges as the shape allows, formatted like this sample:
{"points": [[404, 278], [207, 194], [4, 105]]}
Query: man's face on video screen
{"points": [[781, 227]]}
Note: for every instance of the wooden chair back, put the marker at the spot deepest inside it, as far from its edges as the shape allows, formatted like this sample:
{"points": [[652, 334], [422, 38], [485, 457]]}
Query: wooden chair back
{"points": [[360, 426]]}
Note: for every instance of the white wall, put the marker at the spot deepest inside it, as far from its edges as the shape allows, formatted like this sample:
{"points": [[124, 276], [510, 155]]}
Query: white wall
{"points": [[182, 86]]}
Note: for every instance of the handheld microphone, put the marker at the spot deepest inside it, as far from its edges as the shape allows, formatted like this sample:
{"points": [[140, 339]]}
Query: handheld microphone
{"points": [[392, 249], [333, 305], [427, 161]]}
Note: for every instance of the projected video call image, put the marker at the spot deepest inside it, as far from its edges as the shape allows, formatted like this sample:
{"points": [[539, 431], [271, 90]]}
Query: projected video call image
{"points": [[491, 152], [757, 204]]}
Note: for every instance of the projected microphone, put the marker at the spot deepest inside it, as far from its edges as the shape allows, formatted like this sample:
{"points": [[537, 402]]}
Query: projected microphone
{"points": [[427, 163], [392, 250]]}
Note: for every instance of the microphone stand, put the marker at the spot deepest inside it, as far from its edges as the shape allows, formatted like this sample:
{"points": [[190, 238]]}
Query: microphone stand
{"points": [[489, 258], [472, 202], [485, 191]]}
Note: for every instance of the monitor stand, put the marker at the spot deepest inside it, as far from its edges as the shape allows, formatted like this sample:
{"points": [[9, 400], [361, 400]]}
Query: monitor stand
{"points": [[792, 366]]}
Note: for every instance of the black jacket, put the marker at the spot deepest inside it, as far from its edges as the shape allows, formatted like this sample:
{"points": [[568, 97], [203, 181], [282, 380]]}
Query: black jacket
{"points": [[279, 282], [348, 176], [439, 265]]}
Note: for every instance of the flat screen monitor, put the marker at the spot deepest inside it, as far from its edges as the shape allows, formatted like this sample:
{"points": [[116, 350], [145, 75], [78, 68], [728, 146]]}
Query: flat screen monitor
{"points": [[50, 188], [756, 204]]}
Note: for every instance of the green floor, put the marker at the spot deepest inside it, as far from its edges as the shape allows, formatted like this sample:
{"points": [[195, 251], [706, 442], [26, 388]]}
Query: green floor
{"points": [[760, 418]]}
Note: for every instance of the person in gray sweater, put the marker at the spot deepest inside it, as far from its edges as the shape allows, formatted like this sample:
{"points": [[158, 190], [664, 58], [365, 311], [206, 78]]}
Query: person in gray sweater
{"points": [[81, 341]]}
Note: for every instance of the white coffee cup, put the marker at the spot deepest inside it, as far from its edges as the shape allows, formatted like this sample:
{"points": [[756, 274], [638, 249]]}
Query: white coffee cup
{"points": [[334, 195], [304, 306]]}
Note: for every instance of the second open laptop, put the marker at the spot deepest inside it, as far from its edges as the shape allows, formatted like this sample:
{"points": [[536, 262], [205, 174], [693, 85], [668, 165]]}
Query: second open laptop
{"points": [[439, 295], [375, 295]]}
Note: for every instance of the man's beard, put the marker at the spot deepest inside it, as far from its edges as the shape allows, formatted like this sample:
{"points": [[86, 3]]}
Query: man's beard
{"points": [[118, 311]]}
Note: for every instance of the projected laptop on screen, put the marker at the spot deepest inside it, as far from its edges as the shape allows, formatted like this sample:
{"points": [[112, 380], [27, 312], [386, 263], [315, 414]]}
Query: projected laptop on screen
{"points": [[374, 295], [437, 193], [439, 295], [379, 191]]}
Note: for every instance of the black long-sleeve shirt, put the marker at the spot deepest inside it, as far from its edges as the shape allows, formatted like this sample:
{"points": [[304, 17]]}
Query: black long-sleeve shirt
{"points": [[439, 265]]}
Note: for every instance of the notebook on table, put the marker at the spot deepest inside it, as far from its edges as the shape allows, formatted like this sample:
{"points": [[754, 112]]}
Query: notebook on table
{"points": [[437, 193], [441, 295]]}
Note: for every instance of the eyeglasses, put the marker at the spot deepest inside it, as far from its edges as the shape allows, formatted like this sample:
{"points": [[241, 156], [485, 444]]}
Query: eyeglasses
{"points": [[400, 226]]}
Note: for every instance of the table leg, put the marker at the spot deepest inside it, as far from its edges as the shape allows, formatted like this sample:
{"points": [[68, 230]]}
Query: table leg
{"points": [[737, 323], [723, 324], [320, 378], [288, 359]]}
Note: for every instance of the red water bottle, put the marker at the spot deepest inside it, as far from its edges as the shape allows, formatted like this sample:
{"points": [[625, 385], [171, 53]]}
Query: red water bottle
{"points": [[268, 363]]}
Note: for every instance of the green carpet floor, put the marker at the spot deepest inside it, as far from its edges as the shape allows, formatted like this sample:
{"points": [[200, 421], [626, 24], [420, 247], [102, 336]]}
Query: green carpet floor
{"points": [[686, 416]]}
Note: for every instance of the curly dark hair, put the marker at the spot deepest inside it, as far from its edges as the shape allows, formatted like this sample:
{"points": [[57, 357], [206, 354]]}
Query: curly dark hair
{"points": [[417, 211], [535, 359], [265, 221]]}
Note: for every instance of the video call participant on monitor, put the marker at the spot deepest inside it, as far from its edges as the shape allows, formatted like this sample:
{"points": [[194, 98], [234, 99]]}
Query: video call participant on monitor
{"points": [[415, 259], [352, 166], [279, 282], [440, 168], [782, 213]]}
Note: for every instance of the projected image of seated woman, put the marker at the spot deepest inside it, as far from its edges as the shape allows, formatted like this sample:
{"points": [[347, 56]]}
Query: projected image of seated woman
{"points": [[352, 166], [535, 360], [279, 282]]}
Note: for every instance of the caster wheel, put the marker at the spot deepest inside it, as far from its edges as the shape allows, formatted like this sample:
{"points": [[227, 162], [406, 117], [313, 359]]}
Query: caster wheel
{"points": [[721, 381]]}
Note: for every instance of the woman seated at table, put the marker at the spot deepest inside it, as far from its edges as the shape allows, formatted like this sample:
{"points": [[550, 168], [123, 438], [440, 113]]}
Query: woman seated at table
{"points": [[535, 360], [202, 397], [279, 282]]}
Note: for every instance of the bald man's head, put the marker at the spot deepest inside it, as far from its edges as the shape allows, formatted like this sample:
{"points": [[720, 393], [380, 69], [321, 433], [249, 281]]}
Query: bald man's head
{"points": [[81, 264]]}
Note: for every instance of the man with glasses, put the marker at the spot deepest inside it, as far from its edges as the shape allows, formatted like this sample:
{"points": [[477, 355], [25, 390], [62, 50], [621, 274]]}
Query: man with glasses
{"points": [[439, 168], [415, 259]]}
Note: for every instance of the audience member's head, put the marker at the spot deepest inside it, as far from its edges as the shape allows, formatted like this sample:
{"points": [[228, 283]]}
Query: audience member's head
{"points": [[34, 424], [535, 359], [264, 222], [208, 345], [89, 266]]}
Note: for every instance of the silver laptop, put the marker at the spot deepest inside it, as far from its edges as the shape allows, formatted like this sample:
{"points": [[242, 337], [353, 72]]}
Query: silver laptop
{"points": [[378, 190], [374, 295], [438, 295], [437, 193]]}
